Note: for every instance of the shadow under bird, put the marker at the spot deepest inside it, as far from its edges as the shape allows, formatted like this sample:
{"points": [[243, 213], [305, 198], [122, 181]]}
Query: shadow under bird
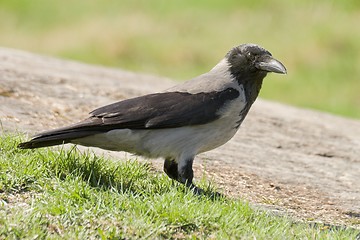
{"points": [[190, 118]]}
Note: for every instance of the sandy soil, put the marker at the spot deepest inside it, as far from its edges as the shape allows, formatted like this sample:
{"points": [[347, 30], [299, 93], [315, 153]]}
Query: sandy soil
{"points": [[294, 161]]}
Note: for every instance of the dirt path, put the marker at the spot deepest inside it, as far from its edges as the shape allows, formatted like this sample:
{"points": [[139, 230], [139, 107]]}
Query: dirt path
{"points": [[300, 162]]}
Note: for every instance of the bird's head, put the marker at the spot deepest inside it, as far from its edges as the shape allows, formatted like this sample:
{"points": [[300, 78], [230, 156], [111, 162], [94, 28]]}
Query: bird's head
{"points": [[250, 60]]}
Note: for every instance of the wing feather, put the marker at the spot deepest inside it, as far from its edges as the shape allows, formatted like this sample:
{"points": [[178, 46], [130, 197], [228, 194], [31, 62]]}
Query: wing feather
{"points": [[154, 111], [163, 110]]}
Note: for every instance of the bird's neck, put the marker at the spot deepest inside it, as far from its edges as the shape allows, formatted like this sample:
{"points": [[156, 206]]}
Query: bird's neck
{"points": [[252, 86], [252, 89]]}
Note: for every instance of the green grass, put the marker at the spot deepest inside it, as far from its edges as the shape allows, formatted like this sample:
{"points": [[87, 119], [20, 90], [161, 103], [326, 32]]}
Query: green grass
{"points": [[316, 40], [65, 194]]}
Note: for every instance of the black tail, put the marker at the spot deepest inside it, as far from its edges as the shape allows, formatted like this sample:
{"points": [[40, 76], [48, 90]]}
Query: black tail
{"points": [[56, 137], [41, 142]]}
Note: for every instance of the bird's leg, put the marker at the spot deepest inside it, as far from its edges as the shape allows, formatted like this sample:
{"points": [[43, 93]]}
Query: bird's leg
{"points": [[171, 168], [182, 173], [186, 175]]}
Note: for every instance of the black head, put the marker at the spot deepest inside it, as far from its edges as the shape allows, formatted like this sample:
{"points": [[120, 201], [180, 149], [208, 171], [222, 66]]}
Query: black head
{"points": [[249, 64], [250, 60]]}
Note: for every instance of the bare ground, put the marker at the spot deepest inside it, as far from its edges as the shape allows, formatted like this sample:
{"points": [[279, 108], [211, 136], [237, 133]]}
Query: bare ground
{"points": [[294, 161]]}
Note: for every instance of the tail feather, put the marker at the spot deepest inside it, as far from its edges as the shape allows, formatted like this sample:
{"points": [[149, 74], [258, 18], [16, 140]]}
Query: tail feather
{"points": [[39, 143], [55, 137]]}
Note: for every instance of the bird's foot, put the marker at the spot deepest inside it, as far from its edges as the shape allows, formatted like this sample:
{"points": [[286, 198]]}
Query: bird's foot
{"points": [[201, 192]]}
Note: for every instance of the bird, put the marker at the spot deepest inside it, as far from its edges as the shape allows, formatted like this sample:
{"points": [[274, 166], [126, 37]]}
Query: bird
{"points": [[179, 123]]}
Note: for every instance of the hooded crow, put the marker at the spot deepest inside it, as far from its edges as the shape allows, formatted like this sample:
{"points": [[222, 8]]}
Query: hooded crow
{"points": [[191, 118]]}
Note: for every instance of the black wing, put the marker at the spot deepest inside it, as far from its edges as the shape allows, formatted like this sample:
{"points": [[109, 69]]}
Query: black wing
{"points": [[163, 110], [153, 111]]}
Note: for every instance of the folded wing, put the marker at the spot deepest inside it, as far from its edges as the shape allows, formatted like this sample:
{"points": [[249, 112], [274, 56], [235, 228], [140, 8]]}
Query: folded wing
{"points": [[153, 111]]}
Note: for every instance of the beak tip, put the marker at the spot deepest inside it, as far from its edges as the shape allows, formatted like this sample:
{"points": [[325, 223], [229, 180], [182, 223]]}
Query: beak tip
{"points": [[284, 72], [272, 65]]}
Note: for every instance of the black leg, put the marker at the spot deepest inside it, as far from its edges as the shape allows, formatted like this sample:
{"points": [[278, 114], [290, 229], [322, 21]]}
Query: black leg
{"points": [[171, 169], [183, 173], [186, 175]]}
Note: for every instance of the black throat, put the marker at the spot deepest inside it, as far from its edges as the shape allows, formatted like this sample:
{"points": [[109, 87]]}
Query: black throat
{"points": [[252, 83]]}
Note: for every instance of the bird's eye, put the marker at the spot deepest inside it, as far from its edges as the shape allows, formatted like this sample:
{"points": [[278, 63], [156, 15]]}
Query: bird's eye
{"points": [[248, 54]]}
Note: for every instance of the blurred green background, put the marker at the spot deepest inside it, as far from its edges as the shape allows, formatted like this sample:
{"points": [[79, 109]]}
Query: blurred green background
{"points": [[318, 41]]}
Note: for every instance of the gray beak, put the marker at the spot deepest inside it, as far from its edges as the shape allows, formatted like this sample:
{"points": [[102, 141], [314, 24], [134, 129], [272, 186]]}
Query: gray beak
{"points": [[269, 64]]}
